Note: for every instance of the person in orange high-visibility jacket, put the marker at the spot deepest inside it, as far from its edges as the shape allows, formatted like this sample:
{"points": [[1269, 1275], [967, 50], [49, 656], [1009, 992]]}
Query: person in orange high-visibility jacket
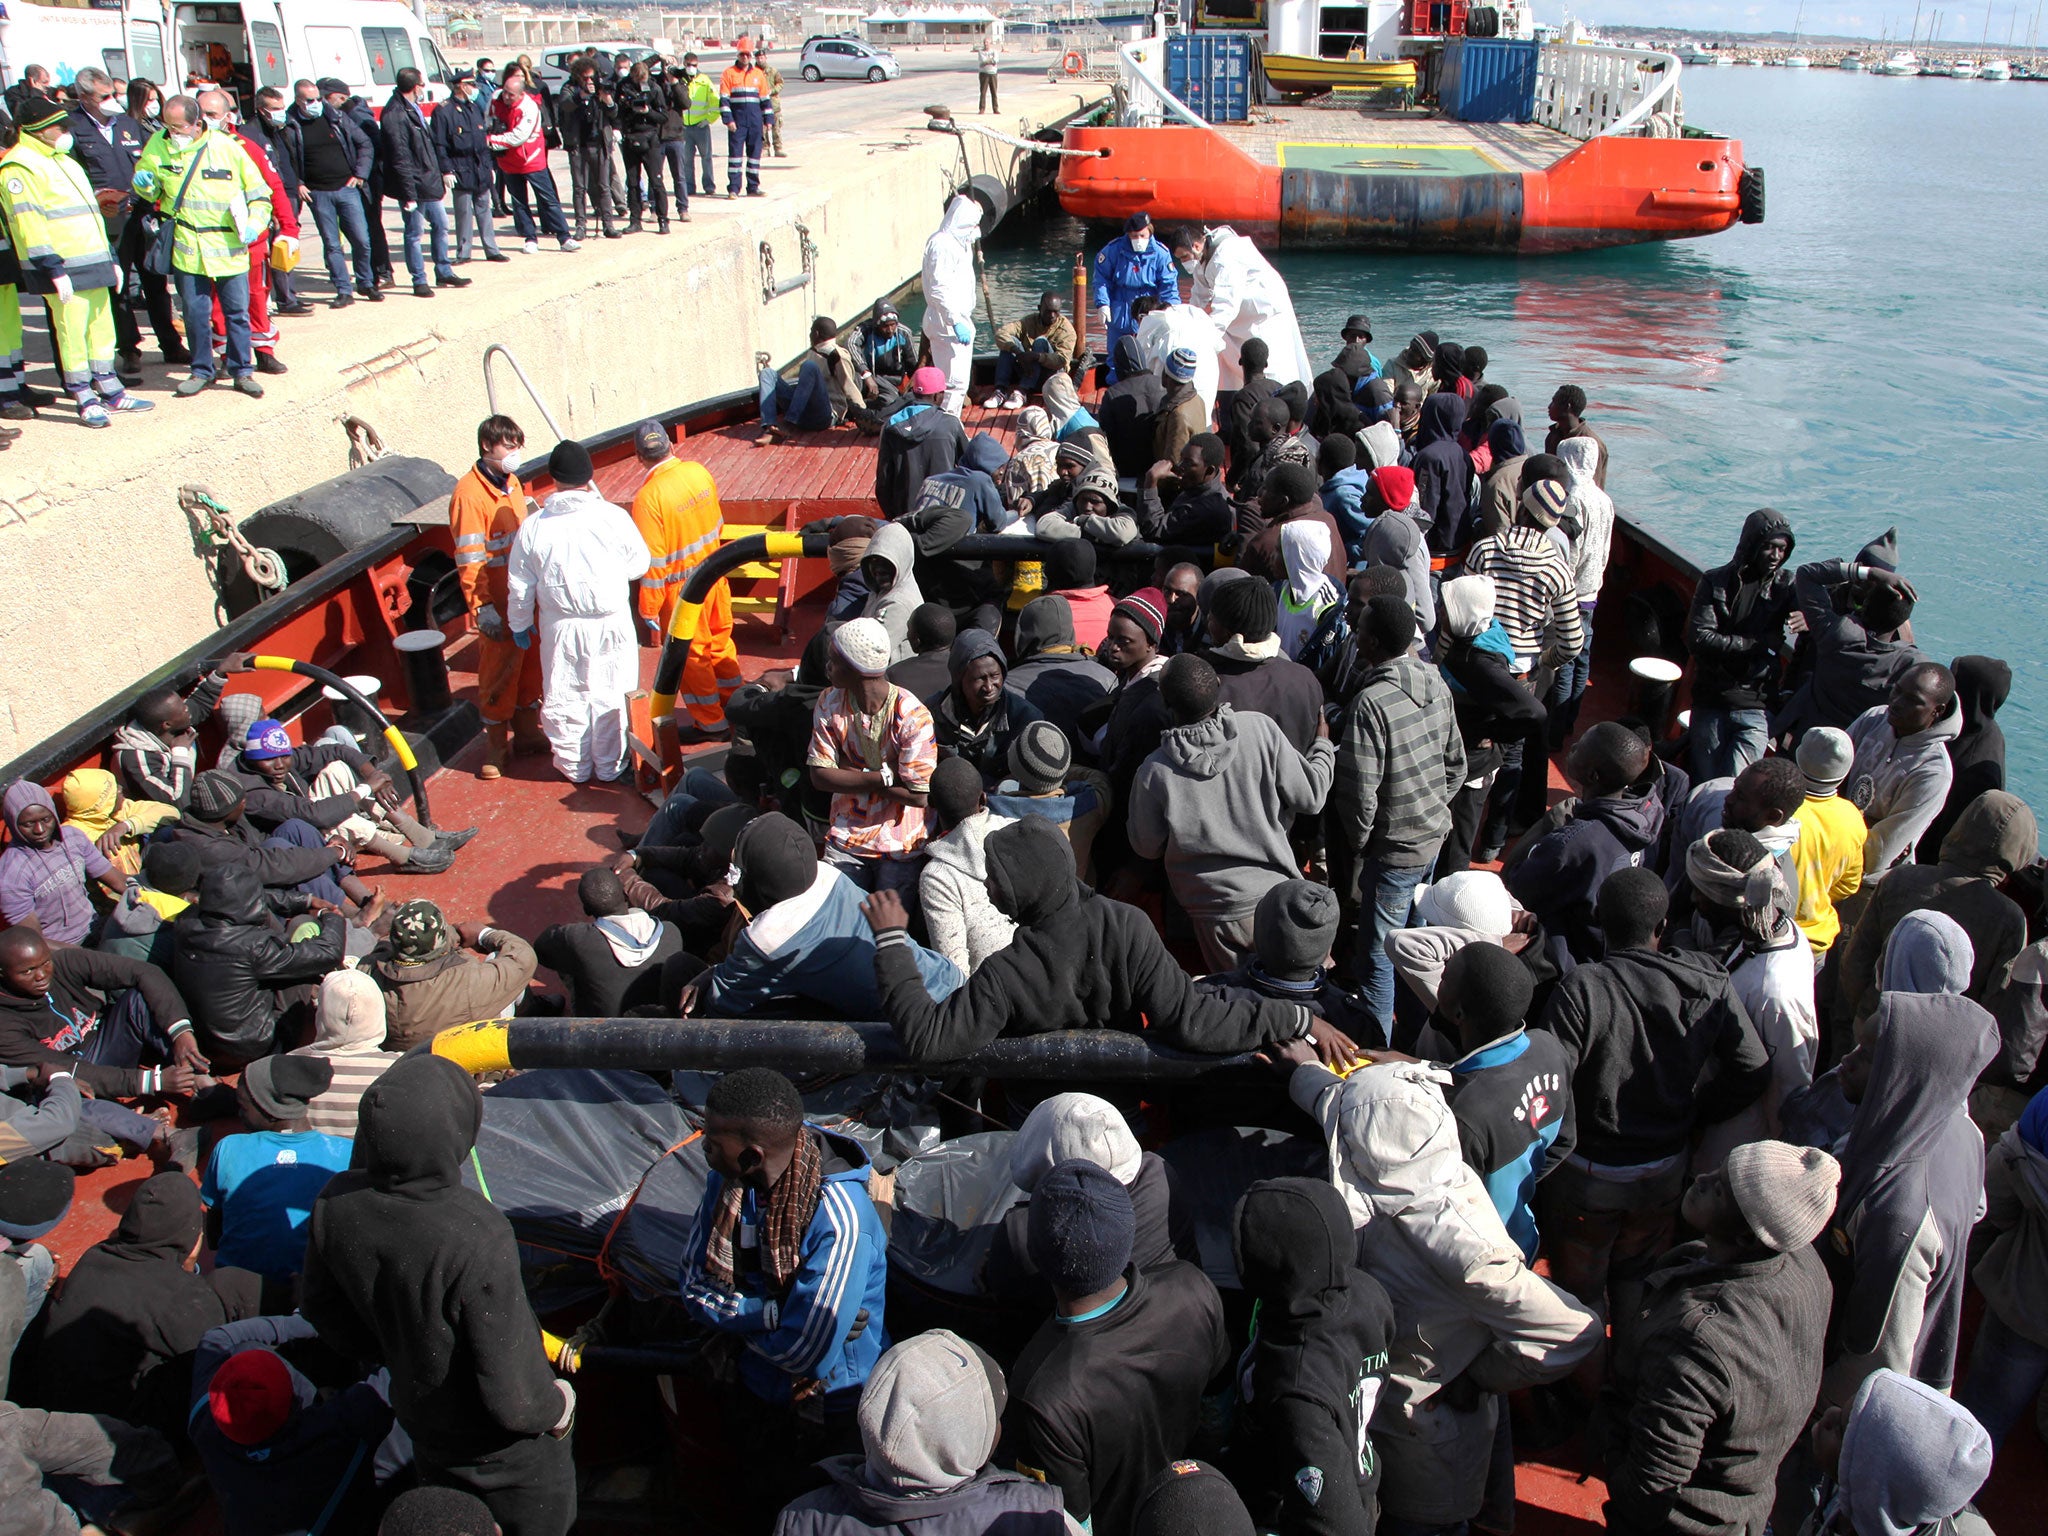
{"points": [[484, 514], [677, 513]]}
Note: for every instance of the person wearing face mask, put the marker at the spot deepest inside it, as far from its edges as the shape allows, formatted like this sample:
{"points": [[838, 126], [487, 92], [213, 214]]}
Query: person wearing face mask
{"points": [[460, 129], [698, 98], [826, 387], [949, 292], [1130, 267], [642, 110], [107, 141], [273, 128], [1246, 298], [60, 242], [332, 157], [672, 96], [208, 183], [484, 513], [285, 220]]}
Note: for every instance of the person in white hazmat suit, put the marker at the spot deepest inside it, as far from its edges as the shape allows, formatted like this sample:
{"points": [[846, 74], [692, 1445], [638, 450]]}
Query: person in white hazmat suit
{"points": [[1183, 325], [949, 290], [570, 570], [1472, 1315], [1246, 298]]}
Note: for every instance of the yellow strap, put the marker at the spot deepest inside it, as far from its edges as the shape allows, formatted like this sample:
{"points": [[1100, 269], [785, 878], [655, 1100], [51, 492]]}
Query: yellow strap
{"points": [[484, 1046], [272, 663]]}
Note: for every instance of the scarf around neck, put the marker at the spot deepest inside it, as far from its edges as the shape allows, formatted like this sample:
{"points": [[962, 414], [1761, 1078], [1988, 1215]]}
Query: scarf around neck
{"points": [[785, 1215]]}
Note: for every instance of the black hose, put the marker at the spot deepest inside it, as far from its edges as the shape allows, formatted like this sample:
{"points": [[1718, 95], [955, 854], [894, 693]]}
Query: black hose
{"points": [[392, 734]]}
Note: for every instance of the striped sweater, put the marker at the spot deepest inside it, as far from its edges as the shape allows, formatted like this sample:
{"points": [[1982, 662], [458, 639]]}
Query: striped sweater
{"points": [[1533, 586], [1400, 759]]}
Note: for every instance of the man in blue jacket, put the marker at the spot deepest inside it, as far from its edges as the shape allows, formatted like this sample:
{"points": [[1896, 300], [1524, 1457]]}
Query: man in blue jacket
{"points": [[789, 1262], [1129, 267]]}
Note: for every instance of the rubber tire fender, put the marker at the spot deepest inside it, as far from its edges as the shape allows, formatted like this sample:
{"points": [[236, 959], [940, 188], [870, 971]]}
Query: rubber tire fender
{"points": [[1750, 189]]}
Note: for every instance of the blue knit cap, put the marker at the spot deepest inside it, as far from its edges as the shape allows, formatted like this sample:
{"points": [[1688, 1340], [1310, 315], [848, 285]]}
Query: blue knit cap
{"points": [[1080, 1228]]}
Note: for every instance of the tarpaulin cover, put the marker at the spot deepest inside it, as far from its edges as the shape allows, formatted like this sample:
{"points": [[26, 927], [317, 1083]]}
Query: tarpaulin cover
{"points": [[1212, 1170], [949, 1202], [892, 1117], [561, 1153]]}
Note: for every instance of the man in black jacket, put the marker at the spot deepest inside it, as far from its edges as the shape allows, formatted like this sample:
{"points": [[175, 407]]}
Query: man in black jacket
{"points": [[107, 142], [1078, 961], [293, 856], [1714, 1378], [231, 956], [98, 1017], [1300, 1450], [1201, 513], [642, 109], [1110, 1388], [272, 127], [282, 782], [1129, 410], [1254, 674], [461, 132], [1659, 1047], [414, 174], [612, 963], [408, 1269], [586, 117], [1736, 633], [333, 158], [373, 190]]}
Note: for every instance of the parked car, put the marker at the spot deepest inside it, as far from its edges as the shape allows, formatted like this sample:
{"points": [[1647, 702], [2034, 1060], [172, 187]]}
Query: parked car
{"points": [[847, 58]]}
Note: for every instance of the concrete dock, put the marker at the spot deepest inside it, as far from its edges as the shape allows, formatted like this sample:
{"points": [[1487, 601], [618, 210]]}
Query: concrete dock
{"points": [[107, 582]]}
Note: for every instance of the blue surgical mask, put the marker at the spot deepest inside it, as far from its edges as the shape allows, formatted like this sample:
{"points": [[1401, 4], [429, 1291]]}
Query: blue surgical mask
{"points": [[313, 108]]}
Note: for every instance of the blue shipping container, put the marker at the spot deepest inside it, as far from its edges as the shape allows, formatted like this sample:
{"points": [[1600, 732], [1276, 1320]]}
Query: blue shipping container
{"points": [[1488, 81], [1211, 73]]}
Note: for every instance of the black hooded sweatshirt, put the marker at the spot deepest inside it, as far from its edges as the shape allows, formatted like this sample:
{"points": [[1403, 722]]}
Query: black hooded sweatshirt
{"points": [[1052, 671], [1443, 472], [407, 1268], [232, 960], [1129, 409], [1078, 961], [119, 1336], [1165, 1231], [1300, 1454], [1736, 630], [983, 741], [1978, 753], [928, 442]]}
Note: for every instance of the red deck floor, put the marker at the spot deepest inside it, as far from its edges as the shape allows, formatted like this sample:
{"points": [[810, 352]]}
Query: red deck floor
{"points": [[540, 833]]}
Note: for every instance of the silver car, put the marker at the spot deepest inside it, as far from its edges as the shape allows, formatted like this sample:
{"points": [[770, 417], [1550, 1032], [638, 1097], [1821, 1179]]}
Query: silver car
{"points": [[847, 58]]}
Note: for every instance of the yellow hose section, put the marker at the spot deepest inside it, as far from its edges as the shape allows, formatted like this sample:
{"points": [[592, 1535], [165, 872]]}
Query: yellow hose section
{"points": [[481, 1047], [272, 663], [561, 1353], [403, 748], [682, 624], [783, 546]]}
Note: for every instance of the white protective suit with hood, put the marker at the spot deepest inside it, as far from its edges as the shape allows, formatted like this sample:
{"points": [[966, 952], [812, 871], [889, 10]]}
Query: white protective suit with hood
{"points": [[949, 290], [1246, 298], [1183, 325], [570, 566], [1466, 1302]]}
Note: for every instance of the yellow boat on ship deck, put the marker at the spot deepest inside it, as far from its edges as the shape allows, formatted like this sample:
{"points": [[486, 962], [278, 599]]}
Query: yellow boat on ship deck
{"points": [[1295, 72]]}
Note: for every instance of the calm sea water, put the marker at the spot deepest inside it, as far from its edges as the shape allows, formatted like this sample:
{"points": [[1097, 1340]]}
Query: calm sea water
{"points": [[1874, 354]]}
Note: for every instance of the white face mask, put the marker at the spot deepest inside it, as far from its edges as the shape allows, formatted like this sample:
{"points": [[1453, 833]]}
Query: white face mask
{"points": [[276, 114], [312, 108], [1190, 265], [690, 70], [63, 144], [1141, 242], [219, 123], [509, 460]]}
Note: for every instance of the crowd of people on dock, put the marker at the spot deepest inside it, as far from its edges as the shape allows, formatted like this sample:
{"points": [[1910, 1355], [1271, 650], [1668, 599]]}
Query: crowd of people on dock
{"points": [[122, 200], [1700, 1110]]}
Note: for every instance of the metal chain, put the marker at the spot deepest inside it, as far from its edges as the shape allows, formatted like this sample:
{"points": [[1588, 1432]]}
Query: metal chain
{"points": [[215, 533]]}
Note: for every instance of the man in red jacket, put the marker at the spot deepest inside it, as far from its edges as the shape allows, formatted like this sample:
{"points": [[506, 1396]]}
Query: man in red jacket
{"points": [[262, 327], [522, 149]]}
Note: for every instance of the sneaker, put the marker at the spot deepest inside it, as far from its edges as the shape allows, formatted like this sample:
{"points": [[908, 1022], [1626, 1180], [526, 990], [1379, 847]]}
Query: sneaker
{"points": [[266, 362], [341, 301], [572, 244], [456, 280], [126, 402], [248, 384], [93, 414], [531, 248], [1015, 402], [187, 388], [422, 290]]}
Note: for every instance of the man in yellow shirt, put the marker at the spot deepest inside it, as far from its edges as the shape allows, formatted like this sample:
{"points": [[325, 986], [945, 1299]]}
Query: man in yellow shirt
{"points": [[677, 513], [484, 514], [1829, 853]]}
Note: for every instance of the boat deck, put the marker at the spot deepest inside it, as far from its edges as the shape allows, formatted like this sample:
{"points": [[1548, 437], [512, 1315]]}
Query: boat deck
{"points": [[1334, 136]]}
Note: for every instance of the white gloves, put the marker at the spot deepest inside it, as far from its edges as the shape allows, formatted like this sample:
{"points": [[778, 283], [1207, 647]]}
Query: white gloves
{"points": [[63, 287], [1103, 315]]}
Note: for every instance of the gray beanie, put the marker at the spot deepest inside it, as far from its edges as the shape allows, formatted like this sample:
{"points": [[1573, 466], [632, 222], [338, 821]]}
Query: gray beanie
{"points": [[1069, 1126], [1080, 1228], [1825, 757], [1293, 929], [215, 796], [1040, 757], [283, 1086], [1785, 1193], [929, 1413]]}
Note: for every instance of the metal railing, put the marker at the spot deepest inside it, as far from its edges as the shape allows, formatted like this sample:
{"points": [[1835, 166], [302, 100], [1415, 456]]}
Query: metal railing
{"points": [[499, 349], [1587, 90]]}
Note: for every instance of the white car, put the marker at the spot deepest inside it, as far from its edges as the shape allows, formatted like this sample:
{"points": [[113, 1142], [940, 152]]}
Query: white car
{"points": [[847, 58]]}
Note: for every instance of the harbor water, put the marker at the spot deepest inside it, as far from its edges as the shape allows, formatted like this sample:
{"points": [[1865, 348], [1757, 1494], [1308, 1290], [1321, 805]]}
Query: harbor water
{"points": [[1874, 354]]}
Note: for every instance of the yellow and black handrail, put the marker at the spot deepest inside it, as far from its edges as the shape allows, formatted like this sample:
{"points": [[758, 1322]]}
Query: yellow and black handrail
{"points": [[341, 685]]}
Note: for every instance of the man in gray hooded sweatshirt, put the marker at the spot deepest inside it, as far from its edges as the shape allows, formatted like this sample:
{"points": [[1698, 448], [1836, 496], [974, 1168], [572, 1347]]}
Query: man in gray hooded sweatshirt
{"points": [[1217, 800], [928, 1420], [1901, 776], [1906, 1461]]}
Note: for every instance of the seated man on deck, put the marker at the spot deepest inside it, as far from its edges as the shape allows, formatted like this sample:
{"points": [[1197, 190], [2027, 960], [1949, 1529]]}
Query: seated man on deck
{"points": [[1029, 351], [826, 387], [884, 356], [432, 982], [157, 751]]}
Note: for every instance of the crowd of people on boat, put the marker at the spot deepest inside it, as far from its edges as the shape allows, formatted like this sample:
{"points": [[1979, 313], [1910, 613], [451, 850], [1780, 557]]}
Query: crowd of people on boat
{"points": [[1704, 1121], [122, 199]]}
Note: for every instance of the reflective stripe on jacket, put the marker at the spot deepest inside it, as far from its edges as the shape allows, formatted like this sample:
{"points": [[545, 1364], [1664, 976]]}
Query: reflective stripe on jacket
{"points": [[225, 207], [54, 219]]}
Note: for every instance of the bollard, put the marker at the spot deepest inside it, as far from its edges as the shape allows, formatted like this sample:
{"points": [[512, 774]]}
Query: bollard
{"points": [[1653, 684], [426, 669], [357, 721]]}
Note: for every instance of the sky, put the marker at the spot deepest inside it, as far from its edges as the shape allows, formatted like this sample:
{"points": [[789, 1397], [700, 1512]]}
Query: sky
{"points": [[1859, 18]]}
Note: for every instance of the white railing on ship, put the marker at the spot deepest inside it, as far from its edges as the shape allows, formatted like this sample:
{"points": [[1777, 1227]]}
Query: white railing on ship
{"points": [[1143, 77], [1587, 90]]}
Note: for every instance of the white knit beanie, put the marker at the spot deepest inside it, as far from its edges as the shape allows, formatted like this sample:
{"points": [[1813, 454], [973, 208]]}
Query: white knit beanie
{"points": [[1475, 899], [1785, 1193], [1070, 1125], [865, 644]]}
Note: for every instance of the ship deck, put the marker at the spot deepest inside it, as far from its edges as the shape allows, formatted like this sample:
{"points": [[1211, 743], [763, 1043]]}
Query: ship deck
{"points": [[1332, 135], [539, 833]]}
